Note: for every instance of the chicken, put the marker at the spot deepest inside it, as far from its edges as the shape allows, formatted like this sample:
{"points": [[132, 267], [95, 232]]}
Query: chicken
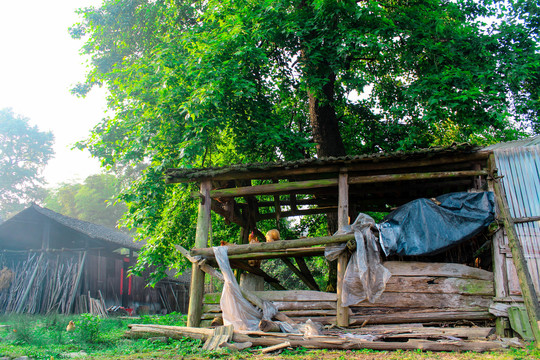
{"points": [[71, 326], [225, 243], [272, 235], [254, 240]]}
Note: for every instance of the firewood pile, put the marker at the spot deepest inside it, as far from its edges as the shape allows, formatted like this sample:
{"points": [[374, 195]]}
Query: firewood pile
{"points": [[377, 337], [40, 284]]}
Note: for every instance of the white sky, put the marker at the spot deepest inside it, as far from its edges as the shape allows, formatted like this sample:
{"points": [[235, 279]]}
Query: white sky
{"points": [[39, 63]]}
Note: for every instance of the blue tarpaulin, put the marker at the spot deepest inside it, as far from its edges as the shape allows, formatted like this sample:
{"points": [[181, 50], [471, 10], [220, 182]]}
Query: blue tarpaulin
{"points": [[423, 226]]}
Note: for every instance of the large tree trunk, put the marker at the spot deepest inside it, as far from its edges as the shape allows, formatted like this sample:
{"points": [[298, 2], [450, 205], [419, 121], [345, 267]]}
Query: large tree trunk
{"points": [[326, 135], [323, 118]]}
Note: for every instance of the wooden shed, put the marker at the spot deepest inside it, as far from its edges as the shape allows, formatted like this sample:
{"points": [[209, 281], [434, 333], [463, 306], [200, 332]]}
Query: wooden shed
{"points": [[54, 263], [455, 286]]}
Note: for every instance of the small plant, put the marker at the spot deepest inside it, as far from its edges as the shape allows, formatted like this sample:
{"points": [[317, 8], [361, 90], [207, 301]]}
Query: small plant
{"points": [[88, 328], [23, 330]]}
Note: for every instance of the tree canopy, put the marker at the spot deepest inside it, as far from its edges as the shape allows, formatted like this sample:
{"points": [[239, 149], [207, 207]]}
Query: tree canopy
{"points": [[196, 83], [24, 152], [92, 201]]}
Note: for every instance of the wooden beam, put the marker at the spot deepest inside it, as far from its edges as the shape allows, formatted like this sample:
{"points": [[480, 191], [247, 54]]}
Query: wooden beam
{"points": [[343, 221], [304, 252], [276, 245], [284, 214], [301, 262], [524, 276], [280, 188], [522, 220], [201, 240]]}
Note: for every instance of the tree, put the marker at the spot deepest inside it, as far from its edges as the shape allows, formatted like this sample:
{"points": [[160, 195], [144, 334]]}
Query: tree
{"points": [[220, 82], [91, 201], [24, 152]]}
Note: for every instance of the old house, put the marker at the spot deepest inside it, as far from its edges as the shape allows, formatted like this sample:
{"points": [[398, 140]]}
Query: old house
{"points": [[54, 263]]}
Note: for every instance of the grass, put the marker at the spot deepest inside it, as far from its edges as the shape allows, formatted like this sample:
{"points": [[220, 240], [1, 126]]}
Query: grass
{"points": [[45, 337]]}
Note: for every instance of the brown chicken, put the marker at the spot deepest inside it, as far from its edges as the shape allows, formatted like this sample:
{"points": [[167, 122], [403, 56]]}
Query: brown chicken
{"points": [[272, 235], [71, 326], [254, 240]]}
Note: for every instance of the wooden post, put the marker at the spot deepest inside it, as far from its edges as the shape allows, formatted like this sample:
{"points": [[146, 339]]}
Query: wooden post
{"points": [[524, 276], [201, 241], [500, 276], [343, 220]]}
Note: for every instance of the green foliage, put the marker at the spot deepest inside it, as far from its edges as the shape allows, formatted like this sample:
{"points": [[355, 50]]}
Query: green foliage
{"points": [[92, 201], [218, 82], [88, 328], [24, 152]]}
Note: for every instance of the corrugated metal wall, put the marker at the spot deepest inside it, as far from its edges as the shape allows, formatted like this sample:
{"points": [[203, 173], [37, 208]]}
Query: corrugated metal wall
{"points": [[520, 167]]}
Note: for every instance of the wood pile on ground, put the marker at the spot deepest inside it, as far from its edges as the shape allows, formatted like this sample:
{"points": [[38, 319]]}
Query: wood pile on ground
{"points": [[378, 337], [416, 292]]}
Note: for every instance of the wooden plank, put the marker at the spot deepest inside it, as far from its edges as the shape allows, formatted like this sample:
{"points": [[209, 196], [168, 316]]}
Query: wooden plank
{"points": [[439, 301], [284, 296], [415, 176], [411, 268], [275, 245], [284, 306], [403, 331], [201, 241], [524, 276], [439, 285]]}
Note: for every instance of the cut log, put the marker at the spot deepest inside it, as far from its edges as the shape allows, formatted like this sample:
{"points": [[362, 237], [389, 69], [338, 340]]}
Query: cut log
{"points": [[277, 347], [269, 326], [411, 268]]}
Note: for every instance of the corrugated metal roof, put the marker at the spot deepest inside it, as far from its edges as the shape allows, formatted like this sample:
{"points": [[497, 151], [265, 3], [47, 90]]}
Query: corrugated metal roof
{"points": [[531, 141]]}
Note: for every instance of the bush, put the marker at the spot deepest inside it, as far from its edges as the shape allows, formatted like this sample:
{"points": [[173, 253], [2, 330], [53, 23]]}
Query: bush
{"points": [[88, 328]]}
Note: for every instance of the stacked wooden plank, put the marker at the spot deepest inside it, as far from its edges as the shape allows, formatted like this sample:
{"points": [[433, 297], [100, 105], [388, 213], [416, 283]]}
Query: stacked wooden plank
{"points": [[416, 292]]}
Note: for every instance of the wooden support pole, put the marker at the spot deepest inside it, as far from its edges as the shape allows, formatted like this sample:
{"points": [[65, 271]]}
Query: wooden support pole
{"points": [[524, 276], [300, 275], [343, 220], [201, 241]]}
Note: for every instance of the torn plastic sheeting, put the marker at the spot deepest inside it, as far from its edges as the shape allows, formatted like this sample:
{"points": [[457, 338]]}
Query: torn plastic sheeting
{"points": [[365, 276], [422, 227], [236, 310]]}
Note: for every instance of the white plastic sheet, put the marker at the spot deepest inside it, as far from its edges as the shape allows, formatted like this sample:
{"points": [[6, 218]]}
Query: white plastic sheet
{"points": [[236, 310], [365, 276]]}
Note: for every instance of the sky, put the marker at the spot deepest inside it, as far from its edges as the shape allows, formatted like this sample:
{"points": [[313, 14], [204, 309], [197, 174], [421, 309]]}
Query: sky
{"points": [[39, 63]]}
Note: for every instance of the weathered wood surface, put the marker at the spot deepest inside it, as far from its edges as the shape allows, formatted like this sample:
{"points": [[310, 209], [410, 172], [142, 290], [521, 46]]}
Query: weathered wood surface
{"points": [[443, 285], [525, 280], [275, 245], [303, 252], [411, 268], [313, 342], [404, 331], [282, 188], [439, 301], [287, 295]]}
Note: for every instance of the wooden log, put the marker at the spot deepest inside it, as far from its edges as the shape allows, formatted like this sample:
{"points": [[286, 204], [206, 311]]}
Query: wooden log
{"points": [[275, 245], [312, 211], [288, 295], [269, 326], [285, 306], [415, 176], [439, 285], [314, 342], [427, 300], [403, 331], [522, 220], [524, 276], [411, 268], [276, 347], [201, 240], [343, 221]]}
